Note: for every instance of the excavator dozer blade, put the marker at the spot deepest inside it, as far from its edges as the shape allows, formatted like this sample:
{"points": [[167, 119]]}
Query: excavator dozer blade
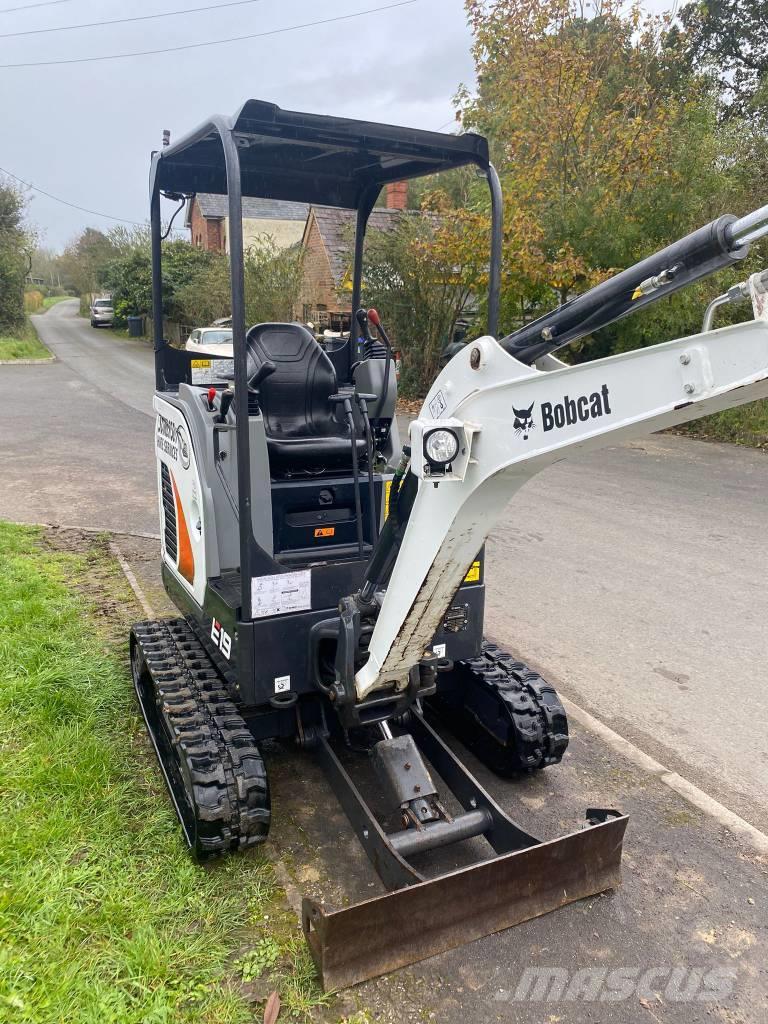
{"points": [[402, 927]]}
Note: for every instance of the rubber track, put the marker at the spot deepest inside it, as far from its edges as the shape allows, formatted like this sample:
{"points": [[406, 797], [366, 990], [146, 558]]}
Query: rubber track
{"points": [[218, 777], [506, 713]]}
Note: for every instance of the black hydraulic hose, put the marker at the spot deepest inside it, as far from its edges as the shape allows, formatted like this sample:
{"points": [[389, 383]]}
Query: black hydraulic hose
{"points": [[711, 248], [385, 553], [355, 476], [372, 517]]}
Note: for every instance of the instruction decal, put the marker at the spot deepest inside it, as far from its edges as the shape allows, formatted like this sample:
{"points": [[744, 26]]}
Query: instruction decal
{"points": [[281, 593], [282, 684], [437, 406]]}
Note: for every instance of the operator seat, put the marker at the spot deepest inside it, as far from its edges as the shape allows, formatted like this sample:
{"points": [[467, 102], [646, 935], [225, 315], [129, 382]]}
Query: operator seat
{"points": [[299, 418]]}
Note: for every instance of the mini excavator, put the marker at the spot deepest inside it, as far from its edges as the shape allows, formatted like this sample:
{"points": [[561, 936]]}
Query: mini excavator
{"points": [[330, 579]]}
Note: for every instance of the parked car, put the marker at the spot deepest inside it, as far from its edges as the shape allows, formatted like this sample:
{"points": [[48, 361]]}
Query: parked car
{"points": [[102, 313], [215, 341]]}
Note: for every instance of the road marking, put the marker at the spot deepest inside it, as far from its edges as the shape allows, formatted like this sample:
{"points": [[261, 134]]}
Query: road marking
{"points": [[733, 822]]}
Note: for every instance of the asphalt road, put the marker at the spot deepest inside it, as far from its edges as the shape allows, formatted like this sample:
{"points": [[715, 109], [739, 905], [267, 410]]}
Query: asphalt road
{"points": [[634, 578], [628, 578]]}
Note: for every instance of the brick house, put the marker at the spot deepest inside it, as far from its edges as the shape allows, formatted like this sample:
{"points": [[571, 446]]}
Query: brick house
{"points": [[208, 221], [327, 245]]}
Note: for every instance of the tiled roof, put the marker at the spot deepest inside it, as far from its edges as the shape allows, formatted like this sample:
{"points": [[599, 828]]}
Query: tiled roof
{"points": [[337, 230], [215, 207]]}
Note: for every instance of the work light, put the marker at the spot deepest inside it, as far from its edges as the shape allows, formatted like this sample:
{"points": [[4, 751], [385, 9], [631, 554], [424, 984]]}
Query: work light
{"points": [[441, 446]]}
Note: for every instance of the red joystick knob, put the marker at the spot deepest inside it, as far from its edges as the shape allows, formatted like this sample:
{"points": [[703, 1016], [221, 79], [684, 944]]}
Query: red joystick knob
{"points": [[373, 316], [211, 396]]}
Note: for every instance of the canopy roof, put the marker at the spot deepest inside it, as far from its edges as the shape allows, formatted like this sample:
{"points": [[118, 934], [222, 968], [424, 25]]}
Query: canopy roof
{"points": [[309, 158]]}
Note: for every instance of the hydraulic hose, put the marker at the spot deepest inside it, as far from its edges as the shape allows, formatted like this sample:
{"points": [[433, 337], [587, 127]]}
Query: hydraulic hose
{"points": [[711, 248]]}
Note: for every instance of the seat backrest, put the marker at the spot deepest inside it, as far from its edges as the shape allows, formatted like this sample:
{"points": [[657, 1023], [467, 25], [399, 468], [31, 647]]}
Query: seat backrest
{"points": [[294, 399]]}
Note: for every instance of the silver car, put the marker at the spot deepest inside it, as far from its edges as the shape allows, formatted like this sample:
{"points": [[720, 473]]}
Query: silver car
{"points": [[102, 313]]}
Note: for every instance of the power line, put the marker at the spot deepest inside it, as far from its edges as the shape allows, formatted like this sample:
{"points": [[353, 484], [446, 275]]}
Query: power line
{"points": [[211, 42], [66, 202], [28, 7], [125, 21]]}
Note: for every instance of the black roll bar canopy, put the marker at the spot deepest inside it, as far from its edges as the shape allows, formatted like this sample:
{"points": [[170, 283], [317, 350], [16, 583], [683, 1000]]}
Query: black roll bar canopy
{"points": [[266, 152]]}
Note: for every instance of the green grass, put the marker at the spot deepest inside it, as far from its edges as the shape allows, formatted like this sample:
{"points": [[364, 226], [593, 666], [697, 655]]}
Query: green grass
{"points": [[104, 918], [53, 300], [748, 424], [23, 344]]}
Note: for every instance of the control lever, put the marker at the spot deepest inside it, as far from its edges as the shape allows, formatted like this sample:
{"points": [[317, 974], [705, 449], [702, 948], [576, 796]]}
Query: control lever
{"points": [[266, 369], [362, 404]]}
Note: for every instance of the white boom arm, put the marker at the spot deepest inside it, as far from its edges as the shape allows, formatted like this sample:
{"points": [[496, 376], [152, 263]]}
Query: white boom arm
{"points": [[513, 420]]}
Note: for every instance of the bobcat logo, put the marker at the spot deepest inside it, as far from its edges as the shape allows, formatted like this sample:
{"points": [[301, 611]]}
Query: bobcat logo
{"points": [[524, 421]]}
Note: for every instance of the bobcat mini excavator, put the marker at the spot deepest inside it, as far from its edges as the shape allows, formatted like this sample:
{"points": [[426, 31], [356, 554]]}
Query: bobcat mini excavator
{"points": [[330, 580]]}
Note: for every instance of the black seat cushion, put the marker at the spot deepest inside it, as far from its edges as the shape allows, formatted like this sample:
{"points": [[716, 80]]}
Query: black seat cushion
{"points": [[300, 421]]}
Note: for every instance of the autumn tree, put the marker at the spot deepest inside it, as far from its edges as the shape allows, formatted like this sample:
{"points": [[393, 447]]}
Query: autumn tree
{"points": [[603, 140]]}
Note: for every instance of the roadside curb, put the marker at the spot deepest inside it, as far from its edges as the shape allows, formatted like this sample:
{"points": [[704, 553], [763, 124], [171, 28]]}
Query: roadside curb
{"points": [[28, 362], [687, 790]]}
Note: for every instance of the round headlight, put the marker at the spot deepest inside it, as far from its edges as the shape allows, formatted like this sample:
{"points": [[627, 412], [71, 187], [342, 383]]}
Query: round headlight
{"points": [[441, 446]]}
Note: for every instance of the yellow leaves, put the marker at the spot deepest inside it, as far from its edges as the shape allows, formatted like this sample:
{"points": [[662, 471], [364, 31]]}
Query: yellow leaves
{"points": [[581, 127]]}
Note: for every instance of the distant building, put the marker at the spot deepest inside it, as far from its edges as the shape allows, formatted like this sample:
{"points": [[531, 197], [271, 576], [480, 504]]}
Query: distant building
{"points": [[327, 244], [208, 222]]}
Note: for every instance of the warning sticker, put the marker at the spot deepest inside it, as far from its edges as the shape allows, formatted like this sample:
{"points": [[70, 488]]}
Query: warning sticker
{"points": [[437, 406], [325, 531], [474, 573], [211, 371], [387, 492], [282, 593], [282, 684]]}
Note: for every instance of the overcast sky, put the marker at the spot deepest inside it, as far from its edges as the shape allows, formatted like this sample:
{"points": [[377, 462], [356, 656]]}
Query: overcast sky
{"points": [[84, 132]]}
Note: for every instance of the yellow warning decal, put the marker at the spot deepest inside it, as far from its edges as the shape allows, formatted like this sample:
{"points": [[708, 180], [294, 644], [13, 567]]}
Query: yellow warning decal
{"points": [[199, 364], [387, 490], [473, 575], [325, 531]]}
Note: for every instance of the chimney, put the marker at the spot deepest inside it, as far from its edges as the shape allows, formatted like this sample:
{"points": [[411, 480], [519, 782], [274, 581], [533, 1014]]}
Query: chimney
{"points": [[397, 195]]}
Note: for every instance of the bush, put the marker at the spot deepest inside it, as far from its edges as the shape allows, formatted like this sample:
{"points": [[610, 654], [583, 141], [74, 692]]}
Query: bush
{"points": [[13, 259], [33, 301]]}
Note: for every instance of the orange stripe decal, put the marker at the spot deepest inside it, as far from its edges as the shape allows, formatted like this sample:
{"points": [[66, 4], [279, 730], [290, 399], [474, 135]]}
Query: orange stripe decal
{"points": [[186, 563]]}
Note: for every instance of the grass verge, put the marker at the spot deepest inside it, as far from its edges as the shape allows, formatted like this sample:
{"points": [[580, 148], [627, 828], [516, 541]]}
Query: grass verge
{"points": [[748, 425], [53, 300], [23, 344], [103, 915]]}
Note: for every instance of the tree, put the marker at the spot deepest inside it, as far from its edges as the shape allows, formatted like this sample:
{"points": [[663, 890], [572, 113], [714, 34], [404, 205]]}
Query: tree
{"points": [[84, 258], [15, 246], [127, 274], [422, 276], [604, 140], [729, 39]]}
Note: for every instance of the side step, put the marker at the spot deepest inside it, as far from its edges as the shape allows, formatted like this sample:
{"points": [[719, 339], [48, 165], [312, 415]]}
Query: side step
{"points": [[423, 917]]}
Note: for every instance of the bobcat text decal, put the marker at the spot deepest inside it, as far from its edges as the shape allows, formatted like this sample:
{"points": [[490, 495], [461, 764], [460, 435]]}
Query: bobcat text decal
{"points": [[565, 413]]}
